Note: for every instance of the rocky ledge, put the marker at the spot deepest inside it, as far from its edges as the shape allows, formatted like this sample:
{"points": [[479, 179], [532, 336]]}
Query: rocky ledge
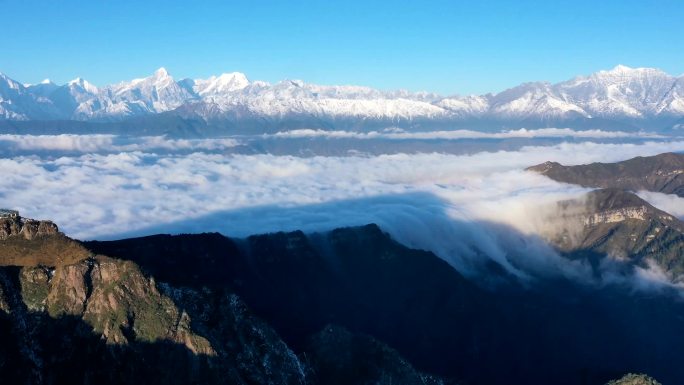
{"points": [[635, 379], [13, 225]]}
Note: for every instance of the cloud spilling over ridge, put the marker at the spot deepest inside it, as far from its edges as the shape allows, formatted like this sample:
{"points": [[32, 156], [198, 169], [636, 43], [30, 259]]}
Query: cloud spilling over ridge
{"points": [[670, 203], [465, 208], [399, 134]]}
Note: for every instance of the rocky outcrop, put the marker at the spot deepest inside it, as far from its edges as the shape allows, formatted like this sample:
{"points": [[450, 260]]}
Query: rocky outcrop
{"points": [[661, 173], [244, 343], [611, 205], [30, 242], [615, 216], [108, 310], [619, 224], [634, 379], [26, 228], [111, 296]]}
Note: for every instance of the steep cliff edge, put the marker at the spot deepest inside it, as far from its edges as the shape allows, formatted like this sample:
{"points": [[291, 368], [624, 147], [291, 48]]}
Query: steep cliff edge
{"points": [[622, 226]]}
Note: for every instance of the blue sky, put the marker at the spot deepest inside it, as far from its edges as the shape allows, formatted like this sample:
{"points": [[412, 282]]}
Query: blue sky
{"points": [[443, 46]]}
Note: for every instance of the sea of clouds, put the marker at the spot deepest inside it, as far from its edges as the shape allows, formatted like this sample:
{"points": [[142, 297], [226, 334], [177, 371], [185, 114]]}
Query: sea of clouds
{"points": [[465, 208]]}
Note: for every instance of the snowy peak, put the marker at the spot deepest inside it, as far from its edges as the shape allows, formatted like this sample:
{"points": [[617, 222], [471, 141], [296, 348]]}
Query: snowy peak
{"points": [[7, 83], [534, 100], [161, 73], [472, 105], [623, 70], [18, 102], [42, 89], [83, 85], [625, 75], [623, 91], [227, 82], [153, 94], [160, 77]]}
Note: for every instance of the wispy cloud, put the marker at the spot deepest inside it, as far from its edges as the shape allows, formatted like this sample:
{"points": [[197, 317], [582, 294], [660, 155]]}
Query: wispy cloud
{"points": [[399, 134], [109, 143]]}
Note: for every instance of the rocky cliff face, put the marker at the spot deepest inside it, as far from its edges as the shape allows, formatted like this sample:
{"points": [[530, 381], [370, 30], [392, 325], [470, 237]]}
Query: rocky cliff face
{"points": [[661, 173], [622, 226], [106, 309]]}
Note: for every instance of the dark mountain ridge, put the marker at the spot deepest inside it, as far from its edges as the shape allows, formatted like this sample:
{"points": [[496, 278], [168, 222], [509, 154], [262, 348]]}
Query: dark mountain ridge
{"points": [[441, 322], [347, 306], [661, 173]]}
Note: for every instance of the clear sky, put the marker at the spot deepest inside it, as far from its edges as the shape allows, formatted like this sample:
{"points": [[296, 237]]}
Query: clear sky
{"points": [[443, 46]]}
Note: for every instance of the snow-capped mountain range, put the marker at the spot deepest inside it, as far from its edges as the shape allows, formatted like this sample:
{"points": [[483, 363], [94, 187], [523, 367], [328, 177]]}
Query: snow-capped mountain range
{"points": [[621, 93]]}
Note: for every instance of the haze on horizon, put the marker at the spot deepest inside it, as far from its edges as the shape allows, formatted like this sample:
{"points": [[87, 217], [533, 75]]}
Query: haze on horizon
{"points": [[437, 46]]}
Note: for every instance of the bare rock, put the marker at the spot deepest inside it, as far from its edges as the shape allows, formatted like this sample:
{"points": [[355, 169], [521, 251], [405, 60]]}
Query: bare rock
{"points": [[634, 379]]}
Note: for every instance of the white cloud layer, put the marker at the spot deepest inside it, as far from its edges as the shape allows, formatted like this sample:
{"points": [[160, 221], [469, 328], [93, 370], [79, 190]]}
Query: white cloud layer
{"points": [[462, 207]]}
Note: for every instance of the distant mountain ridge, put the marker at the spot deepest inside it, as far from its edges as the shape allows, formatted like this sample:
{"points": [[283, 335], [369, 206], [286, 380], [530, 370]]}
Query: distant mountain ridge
{"points": [[661, 173], [622, 96]]}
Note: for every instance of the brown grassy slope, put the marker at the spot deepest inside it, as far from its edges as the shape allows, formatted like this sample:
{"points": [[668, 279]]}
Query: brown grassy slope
{"points": [[50, 250]]}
